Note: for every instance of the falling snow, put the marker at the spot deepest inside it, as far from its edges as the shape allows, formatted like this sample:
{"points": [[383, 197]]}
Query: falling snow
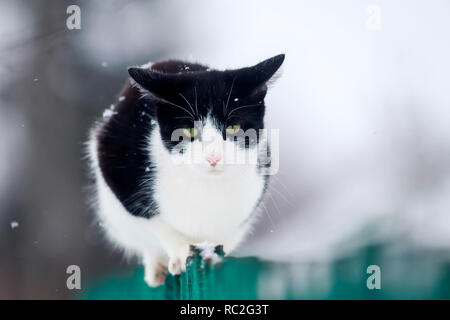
{"points": [[14, 224], [121, 98], [104, 64], [109, 112]]}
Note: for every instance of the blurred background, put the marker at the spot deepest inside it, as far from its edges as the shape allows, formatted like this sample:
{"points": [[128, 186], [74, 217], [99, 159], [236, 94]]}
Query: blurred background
{"points": [[362, 104]]}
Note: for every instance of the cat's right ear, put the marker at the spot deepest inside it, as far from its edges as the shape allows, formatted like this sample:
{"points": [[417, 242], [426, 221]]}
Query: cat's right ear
{"points": [[253, 80], [159, 84]]}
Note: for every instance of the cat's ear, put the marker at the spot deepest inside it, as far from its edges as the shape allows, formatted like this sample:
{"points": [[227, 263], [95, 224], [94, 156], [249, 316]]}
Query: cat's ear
{"points": [[254, 79], [159, 84]]}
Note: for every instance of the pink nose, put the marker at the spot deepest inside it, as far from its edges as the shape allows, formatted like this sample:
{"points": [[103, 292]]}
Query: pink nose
{"points": [[213, 160]]}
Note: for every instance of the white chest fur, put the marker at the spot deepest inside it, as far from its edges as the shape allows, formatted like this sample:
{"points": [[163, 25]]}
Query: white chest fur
{"points": [[203, 207]]}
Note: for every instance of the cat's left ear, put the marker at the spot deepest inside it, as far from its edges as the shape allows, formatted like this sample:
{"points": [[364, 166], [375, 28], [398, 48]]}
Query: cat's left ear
{"points": [[162, 85], [254, 79]]}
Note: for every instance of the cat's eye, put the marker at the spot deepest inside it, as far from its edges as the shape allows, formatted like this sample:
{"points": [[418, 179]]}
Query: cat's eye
{"points": [[233, 129], [190, 132]]}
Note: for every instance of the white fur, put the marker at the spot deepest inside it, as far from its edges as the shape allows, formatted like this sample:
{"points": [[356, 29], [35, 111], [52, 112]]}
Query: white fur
{"points": [[207, 206], [196, 203]]}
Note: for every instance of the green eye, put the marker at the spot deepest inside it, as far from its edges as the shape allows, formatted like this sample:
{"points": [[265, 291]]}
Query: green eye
{"points": [[190, 132], [233, 129]]}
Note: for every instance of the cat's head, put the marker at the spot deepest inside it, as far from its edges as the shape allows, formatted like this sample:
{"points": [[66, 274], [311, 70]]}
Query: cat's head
{"points": [[209, 120]]}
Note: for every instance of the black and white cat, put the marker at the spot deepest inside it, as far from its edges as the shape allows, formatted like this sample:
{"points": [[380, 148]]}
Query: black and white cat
{"points": [[164, 160]]}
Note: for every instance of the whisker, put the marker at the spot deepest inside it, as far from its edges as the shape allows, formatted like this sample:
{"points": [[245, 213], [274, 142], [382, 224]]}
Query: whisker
{"points": [[247, 106], [187, 103], [278, 180], [229, 95], [273, 188], [175, 105], [268, 215], [274, 203], [196, 109]]}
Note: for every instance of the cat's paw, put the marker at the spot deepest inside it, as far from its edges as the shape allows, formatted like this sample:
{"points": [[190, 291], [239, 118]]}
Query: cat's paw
{"points": [[177, 262], [208, 251], [155, 272]]}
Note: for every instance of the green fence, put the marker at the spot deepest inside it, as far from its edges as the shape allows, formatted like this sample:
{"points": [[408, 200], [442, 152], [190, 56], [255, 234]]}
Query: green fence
{"points": [[404, 275]]}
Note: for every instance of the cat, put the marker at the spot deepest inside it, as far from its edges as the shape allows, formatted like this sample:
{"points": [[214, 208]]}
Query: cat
{"points": [[164, 160]]}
